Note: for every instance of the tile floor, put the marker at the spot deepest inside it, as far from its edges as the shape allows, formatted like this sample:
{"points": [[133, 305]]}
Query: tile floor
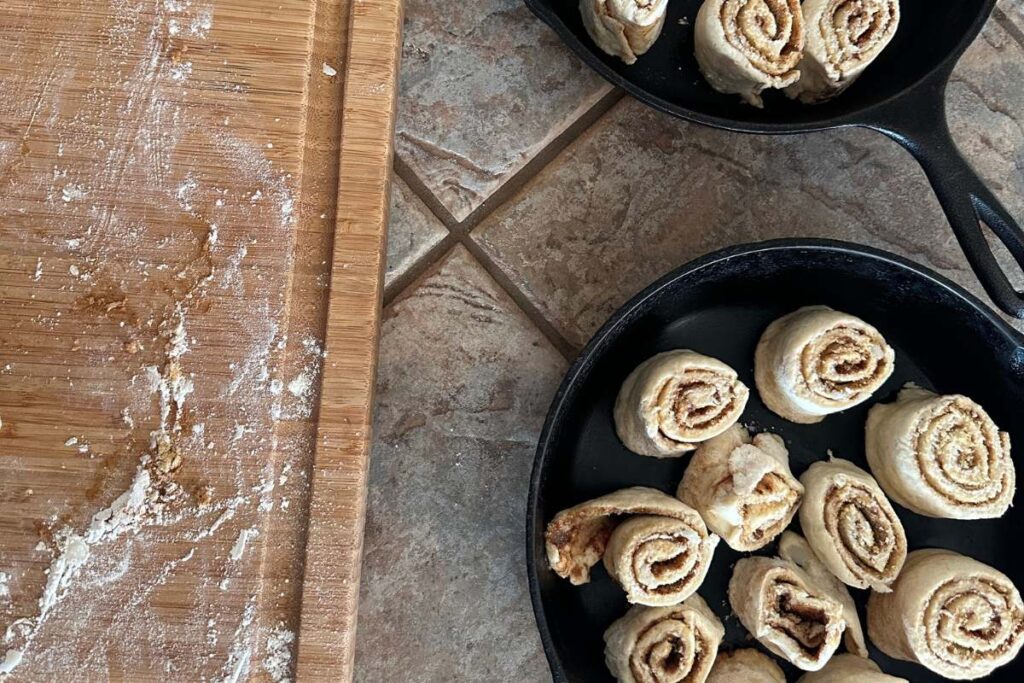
{"points": [[532, 200]]}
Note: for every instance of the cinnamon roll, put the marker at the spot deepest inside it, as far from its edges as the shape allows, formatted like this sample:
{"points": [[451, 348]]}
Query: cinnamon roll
{"points": [[675, 644], [817, 361], [675, 400], [850, 669], [656, 547], [624, 28], [843, 38], [956, 616], [742, 487], [941, 456], [851, 525], [786, 611], [746, 46], [794, 548], [745, 666]]}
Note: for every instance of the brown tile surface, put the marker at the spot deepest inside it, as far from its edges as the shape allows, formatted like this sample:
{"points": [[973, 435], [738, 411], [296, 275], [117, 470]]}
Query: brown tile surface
{"points": [[412, 230], [463, 385], [641, 193], [484, 85]]}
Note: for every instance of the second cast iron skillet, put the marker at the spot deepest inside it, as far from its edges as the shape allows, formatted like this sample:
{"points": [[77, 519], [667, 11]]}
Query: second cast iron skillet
{"points": [[901, 95], [945, 340]]}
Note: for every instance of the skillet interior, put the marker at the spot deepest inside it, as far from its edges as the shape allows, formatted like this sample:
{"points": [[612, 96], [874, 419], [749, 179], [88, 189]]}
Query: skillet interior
{"points": [[667, 76], [719, 305]]}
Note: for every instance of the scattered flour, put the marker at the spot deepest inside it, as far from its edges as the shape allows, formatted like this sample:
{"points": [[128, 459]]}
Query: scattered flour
{"points": [[278, 660], [238, 549], [236, 669], [127, 513]]}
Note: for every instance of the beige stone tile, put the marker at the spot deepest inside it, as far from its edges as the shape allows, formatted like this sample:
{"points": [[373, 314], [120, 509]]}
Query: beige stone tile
{"points": [[484, 85], [641, 193], [1014, 9], [412, 230], [463, 385]]}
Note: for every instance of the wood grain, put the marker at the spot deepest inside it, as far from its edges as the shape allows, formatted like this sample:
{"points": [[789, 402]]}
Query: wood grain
{"points": [[334, 546], [178, 163]]}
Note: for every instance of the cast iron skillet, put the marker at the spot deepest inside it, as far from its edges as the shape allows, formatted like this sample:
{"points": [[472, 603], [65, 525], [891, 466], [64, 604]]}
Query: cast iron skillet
{"points": [[901, 94], [945, 340]]}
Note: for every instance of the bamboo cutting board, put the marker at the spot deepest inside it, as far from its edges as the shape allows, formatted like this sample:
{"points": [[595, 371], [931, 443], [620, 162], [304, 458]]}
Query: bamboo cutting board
{"points": [[193, 196]]}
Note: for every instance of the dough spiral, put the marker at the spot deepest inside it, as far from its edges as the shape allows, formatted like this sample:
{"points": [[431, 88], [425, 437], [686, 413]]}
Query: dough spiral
{"points": [[675, 644], [675, 400], [742, 487], [843, 38], [956, 616], [794, 548], [746, 46], [624, 28], [941, 456], [851, 525], [817, 361], [786, 611], [656, 547]]}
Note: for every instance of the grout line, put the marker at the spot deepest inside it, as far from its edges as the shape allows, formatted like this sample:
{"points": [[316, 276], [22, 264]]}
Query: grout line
{"points": [[533, 313], [460, 232], [546, 155], [1008, 25], [419, 188], [421, 265], [518, 179]]}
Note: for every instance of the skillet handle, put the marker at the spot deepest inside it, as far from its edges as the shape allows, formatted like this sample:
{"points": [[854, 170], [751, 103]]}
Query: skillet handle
{"points": [[966, 200]]}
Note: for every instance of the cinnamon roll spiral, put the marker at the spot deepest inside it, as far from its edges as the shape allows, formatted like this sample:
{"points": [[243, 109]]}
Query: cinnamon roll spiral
{"points": [[843, 38], [624, 28], [675, 644], [817, 361], [746, 46], [794, 548], [675, 400], [941, 456], [742, 487], [954, 615], [851, 525], [656, 547], [786, 611]]}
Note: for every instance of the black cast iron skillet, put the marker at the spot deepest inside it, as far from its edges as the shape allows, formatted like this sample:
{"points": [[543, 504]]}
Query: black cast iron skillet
{"points": [[901, 94], [945, 340]]}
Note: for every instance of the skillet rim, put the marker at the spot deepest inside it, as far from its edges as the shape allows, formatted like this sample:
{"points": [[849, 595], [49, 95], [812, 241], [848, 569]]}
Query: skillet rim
{"points": [[611, 329], [869, 115]]}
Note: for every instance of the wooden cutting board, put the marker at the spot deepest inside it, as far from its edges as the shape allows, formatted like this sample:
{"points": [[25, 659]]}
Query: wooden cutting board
{"points": [[193, 196]]}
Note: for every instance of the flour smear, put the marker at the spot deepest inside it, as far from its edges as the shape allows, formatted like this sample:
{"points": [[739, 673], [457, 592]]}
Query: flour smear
{"points": [[147, 237]]}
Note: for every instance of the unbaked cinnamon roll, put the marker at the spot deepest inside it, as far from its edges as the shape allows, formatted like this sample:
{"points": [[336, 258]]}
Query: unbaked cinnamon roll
{"points": [[656, 547], [742, 487], [745, 666], [850, 669], [624, 28], [794, 548], [817, 361], [954, 615], [843, 38], [676, 400], [941, 456], [851, 525], [674, 644], [786, 611], [746, 46]]}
